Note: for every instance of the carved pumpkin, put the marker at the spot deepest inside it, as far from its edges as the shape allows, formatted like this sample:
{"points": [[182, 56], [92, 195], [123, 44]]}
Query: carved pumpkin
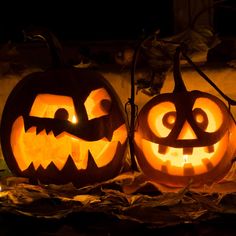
{"points": [[185, 137], [64, 125]]}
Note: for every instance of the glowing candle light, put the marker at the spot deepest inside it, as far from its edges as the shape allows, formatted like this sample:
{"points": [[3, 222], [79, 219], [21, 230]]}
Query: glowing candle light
{"points": [[185, 158], [74, 119]]}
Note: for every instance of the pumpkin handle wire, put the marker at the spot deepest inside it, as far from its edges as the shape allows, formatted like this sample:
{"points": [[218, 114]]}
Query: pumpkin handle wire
{"points": [[52, 42], [131, 100], [204, 76]]}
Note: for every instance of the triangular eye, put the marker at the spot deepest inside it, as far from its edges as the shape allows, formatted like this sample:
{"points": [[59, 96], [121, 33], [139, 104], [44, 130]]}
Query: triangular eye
{"points": [[54, 107], [98, 103]]}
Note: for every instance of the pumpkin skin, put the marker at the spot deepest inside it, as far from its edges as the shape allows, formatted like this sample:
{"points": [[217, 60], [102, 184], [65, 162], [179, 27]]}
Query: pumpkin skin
{"points": [[64, 125], [185, 137]]}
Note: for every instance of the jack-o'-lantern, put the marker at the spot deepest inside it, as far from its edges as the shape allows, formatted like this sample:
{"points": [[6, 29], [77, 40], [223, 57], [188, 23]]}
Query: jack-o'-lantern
{"points": [[185, 137], [64, 125]]}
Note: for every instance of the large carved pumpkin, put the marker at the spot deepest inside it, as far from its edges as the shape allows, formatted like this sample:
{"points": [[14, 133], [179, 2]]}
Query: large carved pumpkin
{"points": [[185, 137], [64, 125]]}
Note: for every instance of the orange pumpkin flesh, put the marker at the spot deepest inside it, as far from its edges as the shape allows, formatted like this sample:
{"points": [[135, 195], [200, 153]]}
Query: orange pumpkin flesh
{"points": [[185, 137], [27, 147], [175, 147], [57, 129]]}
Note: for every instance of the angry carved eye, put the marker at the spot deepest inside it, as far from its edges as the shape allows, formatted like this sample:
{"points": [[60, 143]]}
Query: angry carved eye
{"points": [[98, 103], [54, 106]]}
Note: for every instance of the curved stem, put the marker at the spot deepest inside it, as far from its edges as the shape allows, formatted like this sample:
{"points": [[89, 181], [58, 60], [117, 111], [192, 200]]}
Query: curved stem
{"points": [[179, 84], [52, 42], [204, 76]]}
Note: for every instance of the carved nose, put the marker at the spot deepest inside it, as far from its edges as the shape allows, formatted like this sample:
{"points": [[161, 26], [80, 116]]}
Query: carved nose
{"points": [[187, 132]]}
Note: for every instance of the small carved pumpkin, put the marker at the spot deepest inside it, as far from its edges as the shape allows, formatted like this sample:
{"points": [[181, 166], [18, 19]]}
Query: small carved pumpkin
{"points": [[64, 125], [185, 137]]}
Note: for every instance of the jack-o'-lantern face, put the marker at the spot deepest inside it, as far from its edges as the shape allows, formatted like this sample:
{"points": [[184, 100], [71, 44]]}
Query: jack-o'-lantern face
{"points": [[64, 126], [183, 137]]}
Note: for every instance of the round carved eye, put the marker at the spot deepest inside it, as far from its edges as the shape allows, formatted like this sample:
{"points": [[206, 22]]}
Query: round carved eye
{"points": [[169, 119], [61, 114], [207, 114], [201, 118], [161, 118]]}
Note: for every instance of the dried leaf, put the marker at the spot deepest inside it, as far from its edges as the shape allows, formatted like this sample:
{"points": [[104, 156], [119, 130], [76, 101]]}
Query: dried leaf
{"points": [[11, 180], [143, 202], [231, 176], [87, 199], [3, 194], [228, 203]]}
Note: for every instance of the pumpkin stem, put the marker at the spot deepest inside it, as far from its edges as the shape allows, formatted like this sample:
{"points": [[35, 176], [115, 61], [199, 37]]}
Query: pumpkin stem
{"points": [[179, 83], [52, 42]]}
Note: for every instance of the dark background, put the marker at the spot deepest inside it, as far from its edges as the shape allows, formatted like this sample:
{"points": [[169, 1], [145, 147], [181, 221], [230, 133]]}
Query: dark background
{"points": [[225, 18], [88, 19], [102, 20]]}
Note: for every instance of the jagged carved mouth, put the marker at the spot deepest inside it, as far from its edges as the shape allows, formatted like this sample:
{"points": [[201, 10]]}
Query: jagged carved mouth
{"points": [[43, 148], [187, 161]]}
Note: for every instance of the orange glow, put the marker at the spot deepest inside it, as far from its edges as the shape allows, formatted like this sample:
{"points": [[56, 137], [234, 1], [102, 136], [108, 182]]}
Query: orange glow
{"points": [[171, 119], [93, 103], [42, 149], [46, 105], [173, 160], [199, 118], [155, 118], [187, 132], [74, 119], [185, 161], [213, 112]]}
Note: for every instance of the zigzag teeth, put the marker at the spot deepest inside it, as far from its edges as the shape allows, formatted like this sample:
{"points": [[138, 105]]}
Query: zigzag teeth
{"points": [[26, 124], [39, 129], [57, 132], [32, 129], [101, 151], [78, 154], [59, 163], [80, 159], [27, 127], [48, 130]]}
